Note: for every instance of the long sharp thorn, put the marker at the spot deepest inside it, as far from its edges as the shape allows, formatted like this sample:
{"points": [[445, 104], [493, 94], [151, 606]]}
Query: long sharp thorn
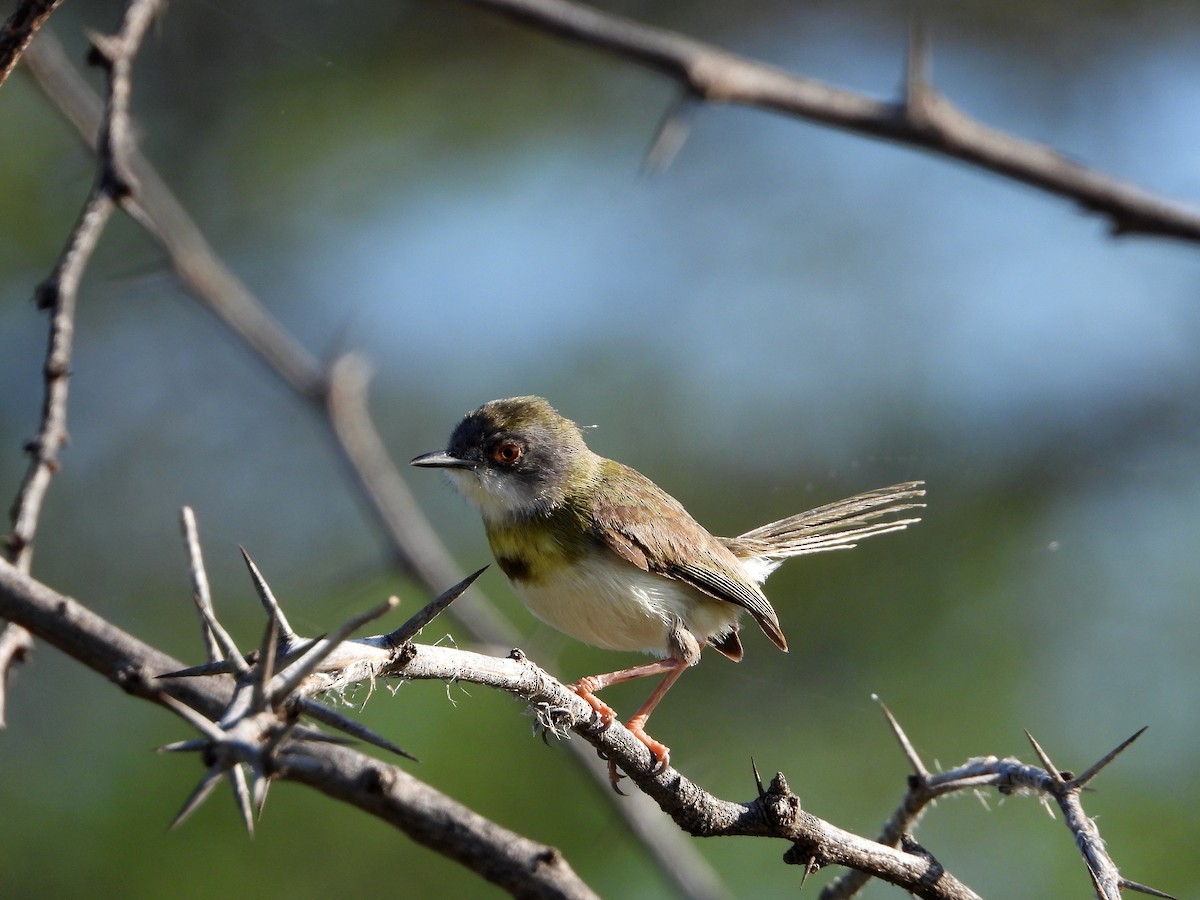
{"points": [[210, 780], [910, 752], [270, 604], [757, 778], [1042, 755], [671, 135], [266, 663], [918, 65], [291, 677], [212, 668], [201, 593], [424, 616], [1145, 889], [262, 784], [809, 868], [241, 794], [190, 746], [1112, 754], [229, 650], [320, 737], [195, 719], [334, 719]]}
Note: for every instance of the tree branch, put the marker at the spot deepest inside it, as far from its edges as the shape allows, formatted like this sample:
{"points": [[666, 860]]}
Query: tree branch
{"points": [[925, 119], [58, 294], [237, 731], [387, 792], [19, 29]]}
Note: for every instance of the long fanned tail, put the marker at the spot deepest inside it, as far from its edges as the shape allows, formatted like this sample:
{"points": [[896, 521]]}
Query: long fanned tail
{"points": [[835, 526]]}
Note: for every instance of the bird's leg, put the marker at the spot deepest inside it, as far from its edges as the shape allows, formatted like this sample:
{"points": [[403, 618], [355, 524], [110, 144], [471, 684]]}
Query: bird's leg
{"points": [[685, 652], [637, 724], [586, 687], [659, 752]]}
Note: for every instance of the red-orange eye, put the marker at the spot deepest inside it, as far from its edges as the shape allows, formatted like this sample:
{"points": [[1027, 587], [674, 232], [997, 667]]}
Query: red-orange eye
{"points": [[507, 453]]}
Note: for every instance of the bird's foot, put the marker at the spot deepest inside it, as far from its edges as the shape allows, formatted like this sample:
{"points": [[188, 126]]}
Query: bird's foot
{"points": [[605, 714], [660, 753]]}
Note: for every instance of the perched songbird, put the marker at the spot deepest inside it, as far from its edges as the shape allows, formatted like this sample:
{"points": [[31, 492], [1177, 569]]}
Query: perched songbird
{"points": [[600, 552]]}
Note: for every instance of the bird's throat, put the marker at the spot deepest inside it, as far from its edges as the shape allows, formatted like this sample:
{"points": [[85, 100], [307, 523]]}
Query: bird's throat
{"points": [[534, 549]]}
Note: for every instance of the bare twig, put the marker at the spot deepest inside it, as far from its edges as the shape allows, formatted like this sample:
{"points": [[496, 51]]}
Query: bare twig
{"points": [[931, 123], [58, 293], [19, 29]]}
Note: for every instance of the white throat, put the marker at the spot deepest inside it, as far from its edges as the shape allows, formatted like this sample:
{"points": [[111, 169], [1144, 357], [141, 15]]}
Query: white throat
{"points": [[498, 498]]}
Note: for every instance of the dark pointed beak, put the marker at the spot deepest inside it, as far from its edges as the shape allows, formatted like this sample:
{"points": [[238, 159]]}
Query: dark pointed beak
{"points": [[440, 459]]}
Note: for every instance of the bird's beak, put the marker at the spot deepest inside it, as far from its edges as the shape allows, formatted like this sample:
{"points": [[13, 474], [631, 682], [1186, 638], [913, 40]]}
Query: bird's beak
{"points": [[440, 459]]}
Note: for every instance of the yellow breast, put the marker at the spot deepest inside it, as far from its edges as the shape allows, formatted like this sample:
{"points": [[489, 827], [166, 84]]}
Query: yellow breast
{"points": [[590, 593], [530, 553]]}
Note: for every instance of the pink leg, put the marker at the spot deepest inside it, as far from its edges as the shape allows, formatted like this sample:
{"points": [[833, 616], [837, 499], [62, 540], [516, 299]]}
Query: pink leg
{"points": [[672, 667]]}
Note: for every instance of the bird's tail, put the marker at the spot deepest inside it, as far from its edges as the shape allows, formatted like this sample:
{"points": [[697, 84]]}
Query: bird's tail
{"points": [[834, 526]]}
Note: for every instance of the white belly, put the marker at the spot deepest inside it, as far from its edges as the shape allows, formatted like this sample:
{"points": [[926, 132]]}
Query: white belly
{"points": [[610, 603]]}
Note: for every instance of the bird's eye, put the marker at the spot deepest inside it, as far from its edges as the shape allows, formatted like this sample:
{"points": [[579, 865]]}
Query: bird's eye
{"points": [[507, 453]]}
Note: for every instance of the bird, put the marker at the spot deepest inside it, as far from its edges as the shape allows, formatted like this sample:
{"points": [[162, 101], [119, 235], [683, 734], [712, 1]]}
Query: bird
{"points": [[598, 551]]}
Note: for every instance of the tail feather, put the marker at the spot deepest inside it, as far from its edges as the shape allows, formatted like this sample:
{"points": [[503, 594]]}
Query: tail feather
{"points": [[835, 526]]}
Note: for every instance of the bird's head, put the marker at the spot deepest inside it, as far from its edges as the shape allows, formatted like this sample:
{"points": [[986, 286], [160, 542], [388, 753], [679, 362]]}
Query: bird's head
{"points": [[515, 458]]}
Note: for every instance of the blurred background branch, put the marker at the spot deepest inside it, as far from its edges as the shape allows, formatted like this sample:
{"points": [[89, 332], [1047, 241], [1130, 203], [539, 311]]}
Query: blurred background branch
{"points": [[19, 29], [57, 296], [923, 119]]}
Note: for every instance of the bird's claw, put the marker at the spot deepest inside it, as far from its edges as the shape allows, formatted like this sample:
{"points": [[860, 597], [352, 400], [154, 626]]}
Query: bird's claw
{"points": [[660, 753], [614, 777], [661, 756], [595, 727], [660, 759], [605, 714]]}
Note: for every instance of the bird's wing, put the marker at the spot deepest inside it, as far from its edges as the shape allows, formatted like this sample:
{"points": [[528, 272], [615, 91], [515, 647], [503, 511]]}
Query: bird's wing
{"points": [[834, 526], [649, 528]]}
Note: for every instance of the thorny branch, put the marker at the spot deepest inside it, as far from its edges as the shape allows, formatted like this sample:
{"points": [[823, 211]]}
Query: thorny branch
{"points": [[923, 118], [58, 293], [1010, 777], [254, 726], [425, 814]]}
